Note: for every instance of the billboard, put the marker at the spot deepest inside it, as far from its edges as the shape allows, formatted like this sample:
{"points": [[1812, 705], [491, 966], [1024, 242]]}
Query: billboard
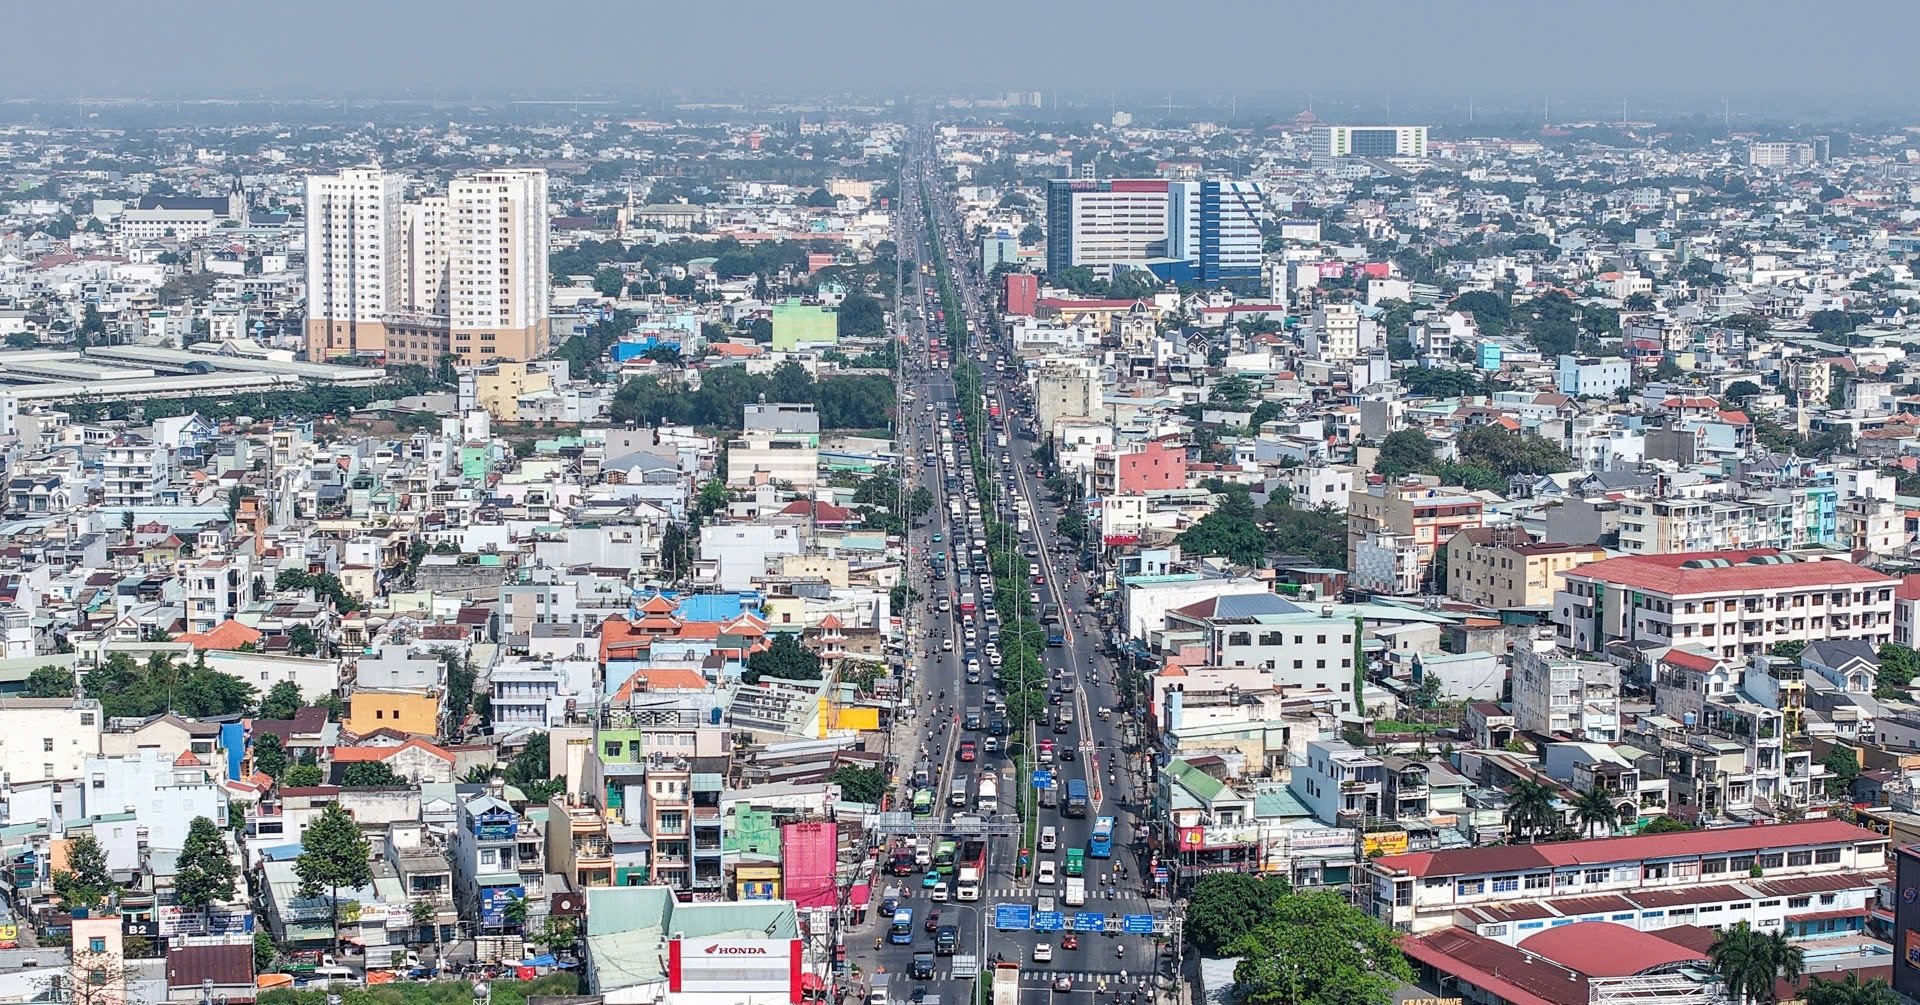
{"points": [[1385, 843], [736, 966]]}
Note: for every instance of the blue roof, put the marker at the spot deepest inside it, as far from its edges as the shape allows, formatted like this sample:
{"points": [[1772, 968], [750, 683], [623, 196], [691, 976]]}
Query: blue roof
{"points": [[1246, 605], [281, 853], [710, 607]]}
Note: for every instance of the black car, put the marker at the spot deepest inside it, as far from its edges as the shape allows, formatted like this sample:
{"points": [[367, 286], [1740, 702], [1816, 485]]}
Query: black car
{"points": [[1066, 752]]}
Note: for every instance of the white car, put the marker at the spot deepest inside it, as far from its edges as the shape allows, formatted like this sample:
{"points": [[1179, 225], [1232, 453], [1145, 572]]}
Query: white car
{"points": [[1043, 952], [940, 891], [1047, 873]]}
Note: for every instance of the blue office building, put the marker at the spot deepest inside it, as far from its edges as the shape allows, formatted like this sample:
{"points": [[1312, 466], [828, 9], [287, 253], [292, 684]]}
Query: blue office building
{"points": [[1230, 242]]}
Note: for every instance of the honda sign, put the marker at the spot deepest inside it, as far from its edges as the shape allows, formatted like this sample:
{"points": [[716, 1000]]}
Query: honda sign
{"points": [[752, 966]]}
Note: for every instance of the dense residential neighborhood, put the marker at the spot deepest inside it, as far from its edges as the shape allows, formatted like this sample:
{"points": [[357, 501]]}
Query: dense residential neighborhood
{"points": [[649, 554]]}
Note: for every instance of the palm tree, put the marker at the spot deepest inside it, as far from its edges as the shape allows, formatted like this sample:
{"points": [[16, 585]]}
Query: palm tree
{"points": [[1789, 960], [1738, 957], [1530, 809], [1850, 992], [1594, 810], [1750, 963]]}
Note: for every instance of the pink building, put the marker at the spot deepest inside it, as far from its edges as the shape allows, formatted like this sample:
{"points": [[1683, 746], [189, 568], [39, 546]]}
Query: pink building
{"points": [[1023, 288], [1156, 465]]}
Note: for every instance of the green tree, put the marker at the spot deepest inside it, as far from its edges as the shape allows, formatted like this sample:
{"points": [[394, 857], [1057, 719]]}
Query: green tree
{"points": [[86, 881], [1898, 665], [1789, 650], [1741, 391], [784, 658], [1750, 963], [1426, 694], [264, 951], [1235, 538], [1404, 452], [1490, 311], [1530, 809], [1512, 453], [1317, 949], [302, 776], [514, 914], [1225, 905], [1664, 824], [269, 756], [50, 682], [1843, 769], [302, 640], [205, 865], [859, 785], [369, 773], [281, 702], [334, 854], [609, 282], [860, 316], [1594, 810], [1850, 991]]}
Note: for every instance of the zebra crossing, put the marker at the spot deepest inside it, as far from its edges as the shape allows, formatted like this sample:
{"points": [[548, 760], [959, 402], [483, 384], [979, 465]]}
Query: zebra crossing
{"points": [[1040, 975]]}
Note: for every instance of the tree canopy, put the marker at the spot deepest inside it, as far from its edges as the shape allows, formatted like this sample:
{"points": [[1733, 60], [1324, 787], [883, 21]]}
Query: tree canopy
{"points": [[845, 402], [1317, 949], [205, 865], [784, 658], [334, 854], [127, 689], [1225, 905]]}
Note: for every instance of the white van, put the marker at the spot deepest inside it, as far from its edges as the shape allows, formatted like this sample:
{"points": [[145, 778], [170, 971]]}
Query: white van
{"points": [[1049, 838], [1048, 873], [331, 977]]}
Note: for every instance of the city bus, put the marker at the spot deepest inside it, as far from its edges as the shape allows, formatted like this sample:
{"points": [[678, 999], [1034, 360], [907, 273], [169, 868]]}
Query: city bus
{"points": [[943, 856], [1076, 798], [1076, 862], [1101, 844], [900, 932], [923, 803]]}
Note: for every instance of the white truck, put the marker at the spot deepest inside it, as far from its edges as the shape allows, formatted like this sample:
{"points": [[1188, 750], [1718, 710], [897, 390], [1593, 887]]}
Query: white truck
{"points": [[1006, 984], [987, 800], [1076, 891]]}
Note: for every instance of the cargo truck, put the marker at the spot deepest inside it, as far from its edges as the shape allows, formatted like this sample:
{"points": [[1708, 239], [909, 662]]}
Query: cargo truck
{"points": [[1076, 891], [973, 869], [988, 798], [1006, 984]]}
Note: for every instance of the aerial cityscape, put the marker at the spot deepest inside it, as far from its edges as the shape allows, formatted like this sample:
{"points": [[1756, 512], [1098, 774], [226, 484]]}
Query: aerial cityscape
{"points": [[899, 507]]}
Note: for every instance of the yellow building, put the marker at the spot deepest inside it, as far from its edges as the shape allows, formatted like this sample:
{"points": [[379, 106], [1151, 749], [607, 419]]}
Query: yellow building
{"points": [[498, 390], [401, 711], [1503, 568], [756, 882]]}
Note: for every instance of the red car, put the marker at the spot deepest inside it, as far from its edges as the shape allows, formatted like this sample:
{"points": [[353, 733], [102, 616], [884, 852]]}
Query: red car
{"points": [[967, 752]]}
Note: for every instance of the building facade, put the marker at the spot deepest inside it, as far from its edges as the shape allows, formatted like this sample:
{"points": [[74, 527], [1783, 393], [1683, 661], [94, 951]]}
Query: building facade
{"points": [[1369, 141], [1733, 603]]}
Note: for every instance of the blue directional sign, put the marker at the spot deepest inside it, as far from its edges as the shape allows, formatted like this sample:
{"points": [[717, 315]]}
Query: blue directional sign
{"points": [[1015, 917], [1043, 779], [1048, 921], [1088, 921], [1137, 924]]}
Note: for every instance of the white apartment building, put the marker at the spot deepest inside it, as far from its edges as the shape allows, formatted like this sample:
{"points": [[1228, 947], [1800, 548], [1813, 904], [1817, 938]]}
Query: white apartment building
{"points": [[1735, 603], [497, 283], [1333, 334], [1647, 882], [142, 225], [1369, 141], [1562, 697], [46, 738], [1098, 223], [355, 222], [462, 274], [134, 471]]}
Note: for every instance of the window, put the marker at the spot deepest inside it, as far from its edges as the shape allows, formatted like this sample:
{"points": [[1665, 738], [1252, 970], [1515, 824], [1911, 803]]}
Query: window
{"points": [[1802, 857], [47, 745], [1599, 875], [97, 945], [1740, 863], [1506, 884], [1826, 856], [1712, 865], [1793, 902], [1539, 880], [1772, 860], [1470, 887], [97, 976]]}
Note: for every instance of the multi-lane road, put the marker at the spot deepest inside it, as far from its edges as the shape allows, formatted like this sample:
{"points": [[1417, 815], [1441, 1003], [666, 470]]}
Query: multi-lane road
{"points": [[1081, 681]]}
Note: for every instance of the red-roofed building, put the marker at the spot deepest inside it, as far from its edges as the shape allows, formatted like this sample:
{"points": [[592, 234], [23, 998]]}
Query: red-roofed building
{"points": [[414, 759], [1735, 603], [1906, 610], [1648, 881], [1023, 290]]}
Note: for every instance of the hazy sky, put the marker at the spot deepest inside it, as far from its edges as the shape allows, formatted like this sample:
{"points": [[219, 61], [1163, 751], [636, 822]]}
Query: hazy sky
{"points": [[1419, 52]]}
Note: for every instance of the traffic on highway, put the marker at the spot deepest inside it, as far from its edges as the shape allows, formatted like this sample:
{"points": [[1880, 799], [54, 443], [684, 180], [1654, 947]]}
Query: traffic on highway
{"points": [[1017, 847]]}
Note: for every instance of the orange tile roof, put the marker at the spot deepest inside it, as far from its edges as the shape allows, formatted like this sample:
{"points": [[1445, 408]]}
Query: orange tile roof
{"points": [[227, 635], [663, 679], [364, 755]]}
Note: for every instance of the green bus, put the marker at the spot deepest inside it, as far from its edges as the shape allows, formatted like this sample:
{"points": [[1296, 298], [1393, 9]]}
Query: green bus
{"points": [[1076, 861], [943, 856], [923, 803]]}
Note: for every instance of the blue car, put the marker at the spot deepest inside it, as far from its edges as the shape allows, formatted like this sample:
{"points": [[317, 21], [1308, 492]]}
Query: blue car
{"points": [[931, 880], [936, 537]]}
